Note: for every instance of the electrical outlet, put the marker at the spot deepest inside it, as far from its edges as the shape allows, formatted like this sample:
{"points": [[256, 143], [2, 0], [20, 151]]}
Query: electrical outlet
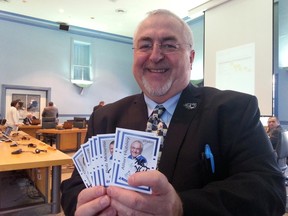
{"points": [[39, 174]]}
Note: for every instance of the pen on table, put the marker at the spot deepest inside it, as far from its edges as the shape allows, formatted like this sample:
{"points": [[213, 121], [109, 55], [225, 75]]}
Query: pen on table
{"points": [[209, 155]]}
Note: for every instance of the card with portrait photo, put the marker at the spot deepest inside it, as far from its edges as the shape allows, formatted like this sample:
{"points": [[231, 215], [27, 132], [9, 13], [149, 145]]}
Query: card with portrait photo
{"points": [[87, 157], [96, 161], [106, 147], [80, 164], [134, 151]]}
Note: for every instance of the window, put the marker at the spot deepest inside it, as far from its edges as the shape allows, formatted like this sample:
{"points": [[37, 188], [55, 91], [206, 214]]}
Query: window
{"points": [[197, 74], [81, 71]]}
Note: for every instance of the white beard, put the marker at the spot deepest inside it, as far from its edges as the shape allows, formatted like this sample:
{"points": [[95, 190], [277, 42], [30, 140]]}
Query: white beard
{"points": [[159, 90]]}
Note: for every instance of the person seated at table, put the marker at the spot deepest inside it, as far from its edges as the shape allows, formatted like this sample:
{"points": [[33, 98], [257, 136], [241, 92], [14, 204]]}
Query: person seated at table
{"points": [[50, 111]]}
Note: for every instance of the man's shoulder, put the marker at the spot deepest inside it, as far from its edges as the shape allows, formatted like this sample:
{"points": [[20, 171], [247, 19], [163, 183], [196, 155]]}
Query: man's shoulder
{"points": [[218, 96], [124, 103], [227, 93], [211, 92], [226, 100]]}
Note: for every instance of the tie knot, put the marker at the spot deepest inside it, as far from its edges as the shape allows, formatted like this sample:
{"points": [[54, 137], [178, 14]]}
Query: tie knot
{"points": [[158, 110]]}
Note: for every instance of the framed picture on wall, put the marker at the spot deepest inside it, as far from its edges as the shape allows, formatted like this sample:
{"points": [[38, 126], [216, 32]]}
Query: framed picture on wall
{"points": [[32, 99], [29, 103]]}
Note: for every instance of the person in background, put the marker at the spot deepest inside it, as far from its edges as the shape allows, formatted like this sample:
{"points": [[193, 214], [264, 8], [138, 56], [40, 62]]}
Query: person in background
{"points": [[21, 109], [274, 130], [216, 157], [50, 111], [101, 104], [13, 115]]}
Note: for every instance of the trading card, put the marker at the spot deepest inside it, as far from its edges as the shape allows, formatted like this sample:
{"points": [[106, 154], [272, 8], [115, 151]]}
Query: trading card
{"points": [[106, 146], [97, 160], [87, 157], [100, 162], [79, 161], [95, 174], [135, 151]]}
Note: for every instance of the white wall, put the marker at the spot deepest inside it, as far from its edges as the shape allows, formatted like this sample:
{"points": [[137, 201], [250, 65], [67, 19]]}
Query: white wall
{"points": [[40, 57], [241, 31]]}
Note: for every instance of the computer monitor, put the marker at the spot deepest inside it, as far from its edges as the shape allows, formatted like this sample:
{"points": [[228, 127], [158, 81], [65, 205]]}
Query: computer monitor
{"points": [[79, 122], [79, 119], [5, 134]]}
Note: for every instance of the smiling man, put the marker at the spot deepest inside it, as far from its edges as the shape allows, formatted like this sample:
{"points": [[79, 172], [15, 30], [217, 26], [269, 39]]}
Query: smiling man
{"points": [[240, 175]]}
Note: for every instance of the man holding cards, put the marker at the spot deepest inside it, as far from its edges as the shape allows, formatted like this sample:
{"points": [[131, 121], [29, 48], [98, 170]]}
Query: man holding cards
{"points": [[216, 158]]}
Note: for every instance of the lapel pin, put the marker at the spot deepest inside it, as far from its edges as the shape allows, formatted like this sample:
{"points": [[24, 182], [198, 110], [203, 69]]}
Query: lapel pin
{"points": [[190, 106]]}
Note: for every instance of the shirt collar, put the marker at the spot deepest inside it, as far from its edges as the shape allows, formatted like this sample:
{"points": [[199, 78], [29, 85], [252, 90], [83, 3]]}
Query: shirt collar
{"points": [[170, 104]]}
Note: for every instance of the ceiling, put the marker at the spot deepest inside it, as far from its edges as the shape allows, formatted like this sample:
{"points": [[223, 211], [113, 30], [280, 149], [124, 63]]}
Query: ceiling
{"points": [[114, 16]]}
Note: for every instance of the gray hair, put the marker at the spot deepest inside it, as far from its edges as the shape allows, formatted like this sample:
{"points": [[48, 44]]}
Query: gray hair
{"points": [[186, 28]]}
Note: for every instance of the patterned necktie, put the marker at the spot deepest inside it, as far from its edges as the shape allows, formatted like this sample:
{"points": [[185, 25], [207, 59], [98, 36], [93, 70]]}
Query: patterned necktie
{"points": [[156, 125]]}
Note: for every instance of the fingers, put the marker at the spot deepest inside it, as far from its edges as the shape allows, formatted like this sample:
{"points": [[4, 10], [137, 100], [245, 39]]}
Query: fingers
{"points": [[128, 202], [119, 201], [92, 201], [89, 194], [154, 179]]}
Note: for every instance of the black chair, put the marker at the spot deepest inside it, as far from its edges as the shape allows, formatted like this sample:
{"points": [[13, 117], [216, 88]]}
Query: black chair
{"points": [[49, 123], [282, 151], [79, 122], [282, 154], [2, 122]]}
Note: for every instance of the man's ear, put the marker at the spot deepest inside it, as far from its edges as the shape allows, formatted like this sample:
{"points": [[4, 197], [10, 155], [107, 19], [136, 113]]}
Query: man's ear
{"points": [[192, 56]]}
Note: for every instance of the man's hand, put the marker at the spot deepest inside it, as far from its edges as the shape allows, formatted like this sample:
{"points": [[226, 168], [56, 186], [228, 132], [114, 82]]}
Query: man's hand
{"points": [[163, 200], [94, 201]]}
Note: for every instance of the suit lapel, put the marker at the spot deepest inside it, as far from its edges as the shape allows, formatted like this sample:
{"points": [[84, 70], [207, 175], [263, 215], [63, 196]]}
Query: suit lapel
{"points": [[137, 114], [184, 113]]}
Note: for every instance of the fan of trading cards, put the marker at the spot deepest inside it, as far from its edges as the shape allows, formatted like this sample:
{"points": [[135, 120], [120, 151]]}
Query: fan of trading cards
{"points": [[109, 159]]}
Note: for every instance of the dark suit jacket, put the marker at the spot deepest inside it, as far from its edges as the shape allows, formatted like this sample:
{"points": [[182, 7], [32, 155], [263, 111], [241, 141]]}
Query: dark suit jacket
{"points": [[246, 181]]}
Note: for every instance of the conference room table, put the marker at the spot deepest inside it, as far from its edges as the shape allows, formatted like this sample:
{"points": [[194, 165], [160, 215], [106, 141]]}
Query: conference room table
{"points": [[30, 129], [67, 140], [29, 159]]}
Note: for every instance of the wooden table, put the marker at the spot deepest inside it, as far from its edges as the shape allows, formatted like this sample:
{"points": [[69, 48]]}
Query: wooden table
{"points": [[27, 160], [30, 129], [66, 139]]}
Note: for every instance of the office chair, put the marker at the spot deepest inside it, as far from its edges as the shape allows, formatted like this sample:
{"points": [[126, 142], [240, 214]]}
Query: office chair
{"points": [[79, 122], [282, 151], [2, 122], [282, 154], [49, 123]]}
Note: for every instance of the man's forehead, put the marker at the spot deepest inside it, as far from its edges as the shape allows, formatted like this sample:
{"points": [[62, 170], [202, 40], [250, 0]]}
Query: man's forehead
{"points": [[272, 120], [158, 26]]}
